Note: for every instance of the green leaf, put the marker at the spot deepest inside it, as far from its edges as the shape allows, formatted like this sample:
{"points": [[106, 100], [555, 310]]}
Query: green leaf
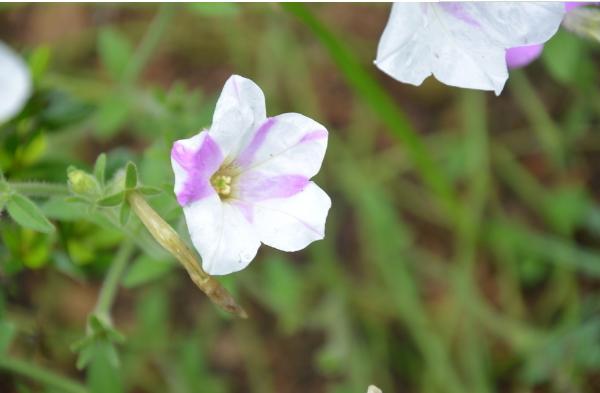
{"points": [[86, 353], [124, 214], [100, 169], [131, 176], [112, 200], [115, 52], [214, 9], [145, 269], [104, 371], [58, 208], [7, 333], [38, 62], [565, 58], [27, 214], [76, 199], [112, 114], [149, 191]]}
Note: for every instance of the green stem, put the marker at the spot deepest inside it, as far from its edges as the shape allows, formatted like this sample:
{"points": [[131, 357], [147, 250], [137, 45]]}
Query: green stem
{"points": [[548, 133], [39, 189], [113, 277], [149, 43], [48, 378], [467, 239], [382, 104]]}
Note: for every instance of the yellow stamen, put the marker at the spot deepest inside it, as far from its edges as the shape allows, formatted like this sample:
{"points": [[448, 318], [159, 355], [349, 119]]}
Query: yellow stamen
{"points": [[222, 184]]}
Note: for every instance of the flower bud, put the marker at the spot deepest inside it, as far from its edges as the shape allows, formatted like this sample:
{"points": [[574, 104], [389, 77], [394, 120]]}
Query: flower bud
{"points": [[81, 182]]}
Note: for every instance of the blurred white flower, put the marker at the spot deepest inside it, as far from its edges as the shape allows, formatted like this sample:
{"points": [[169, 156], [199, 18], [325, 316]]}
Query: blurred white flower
{"points": [[246, 180], [579, 18], [15, 83], [373, 389], [462, 44]]}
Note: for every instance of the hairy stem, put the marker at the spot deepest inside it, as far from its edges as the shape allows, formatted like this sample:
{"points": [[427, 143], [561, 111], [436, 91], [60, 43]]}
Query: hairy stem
{"points": [[167, 237], [39, 189], [111, 282], [45, 377]]}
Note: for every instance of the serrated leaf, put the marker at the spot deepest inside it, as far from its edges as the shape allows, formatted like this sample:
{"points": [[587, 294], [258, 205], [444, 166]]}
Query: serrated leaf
{"points": [[112, 200], [115, 52], [144, 270], [124, 214], [27, 214], [100, 169], [131, 176]]}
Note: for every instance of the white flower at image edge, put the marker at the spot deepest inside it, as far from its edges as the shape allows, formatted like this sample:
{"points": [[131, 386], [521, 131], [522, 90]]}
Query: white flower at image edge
{"points": [[246, 180], [15, 83], [462, 44]]}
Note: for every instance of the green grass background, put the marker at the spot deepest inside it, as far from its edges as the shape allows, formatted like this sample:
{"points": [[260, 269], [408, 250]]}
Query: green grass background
{"points": [[462, 251]]}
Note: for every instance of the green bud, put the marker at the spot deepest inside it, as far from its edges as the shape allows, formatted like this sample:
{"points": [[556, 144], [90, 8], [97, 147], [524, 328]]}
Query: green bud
{"points": [[81, 182]]}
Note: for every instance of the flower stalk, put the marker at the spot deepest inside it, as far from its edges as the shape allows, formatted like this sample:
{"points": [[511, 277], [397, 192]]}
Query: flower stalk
{"points": [[168, 238]]}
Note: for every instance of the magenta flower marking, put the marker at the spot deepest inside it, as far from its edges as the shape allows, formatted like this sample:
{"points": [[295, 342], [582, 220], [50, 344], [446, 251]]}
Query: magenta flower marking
{"points": [[200, 165], [523, 55]]}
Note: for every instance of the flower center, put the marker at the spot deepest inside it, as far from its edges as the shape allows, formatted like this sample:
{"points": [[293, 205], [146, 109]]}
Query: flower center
{"points": [[222, 185]]}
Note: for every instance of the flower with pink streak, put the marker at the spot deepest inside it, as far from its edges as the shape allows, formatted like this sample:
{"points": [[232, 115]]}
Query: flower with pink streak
{"points": [[246, 180], [521, 56], [462, 44], [15, 83]]}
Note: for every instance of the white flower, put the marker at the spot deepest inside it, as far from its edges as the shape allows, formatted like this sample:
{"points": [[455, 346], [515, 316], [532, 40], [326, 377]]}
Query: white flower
{"points": [[373, 389], [462, 44], [15, 83], [247, 180]]}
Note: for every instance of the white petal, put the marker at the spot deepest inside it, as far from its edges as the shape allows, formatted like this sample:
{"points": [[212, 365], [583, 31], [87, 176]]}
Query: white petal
{"points": [[290, 224], [462, 44], [239, 111], [286, 144], [221, 234], [15, 83]]}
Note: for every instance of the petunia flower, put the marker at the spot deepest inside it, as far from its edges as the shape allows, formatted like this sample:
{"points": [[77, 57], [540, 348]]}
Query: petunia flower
{"points": [[521, 56], [462, 44], [15, 83], [246, 180]]}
